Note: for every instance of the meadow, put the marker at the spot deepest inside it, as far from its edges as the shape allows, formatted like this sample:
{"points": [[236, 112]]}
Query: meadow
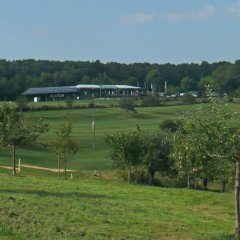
{"points": [[95, 208], [36, 205], [106, 120]]}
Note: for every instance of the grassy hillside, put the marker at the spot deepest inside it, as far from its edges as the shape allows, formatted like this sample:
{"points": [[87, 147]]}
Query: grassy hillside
{"points": [[93, 208], [107, 120]]}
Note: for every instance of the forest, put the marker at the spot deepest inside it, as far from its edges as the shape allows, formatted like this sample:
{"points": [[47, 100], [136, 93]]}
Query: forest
{"points": [[18, 75]]}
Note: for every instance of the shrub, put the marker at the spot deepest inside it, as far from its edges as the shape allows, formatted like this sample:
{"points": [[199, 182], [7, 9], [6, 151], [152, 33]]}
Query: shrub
{"points": [[139, 174], [150, 101], [22, 103], [188, 99], [170, 124], [127, 104]]}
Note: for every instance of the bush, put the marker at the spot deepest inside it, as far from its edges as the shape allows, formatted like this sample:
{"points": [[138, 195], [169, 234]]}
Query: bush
{"points": [[22, 103], [188, 99], [139, 174], [150, 101], [127, 104], [171, 125], [169, 182]]}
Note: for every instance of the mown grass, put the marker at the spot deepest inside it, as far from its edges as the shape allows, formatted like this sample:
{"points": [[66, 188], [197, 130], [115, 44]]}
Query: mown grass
{"points": [[107, 120], [94, 208]]}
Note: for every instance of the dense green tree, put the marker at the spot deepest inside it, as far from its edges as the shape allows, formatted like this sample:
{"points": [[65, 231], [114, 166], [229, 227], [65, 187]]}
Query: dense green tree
{"points": [[210, 139], [222, 76], [126, 149], [16, 130], [188, 84], [187, 161], [156, 156]]}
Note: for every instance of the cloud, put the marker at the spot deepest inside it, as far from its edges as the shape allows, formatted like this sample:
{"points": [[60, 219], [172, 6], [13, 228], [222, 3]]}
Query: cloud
{"points": [[137, 18], [174, 17], [234, 9], [203, 14], [200, 15]]}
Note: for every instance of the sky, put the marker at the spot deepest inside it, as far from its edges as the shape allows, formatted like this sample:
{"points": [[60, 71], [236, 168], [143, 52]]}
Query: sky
{"points": [[125, 31]]}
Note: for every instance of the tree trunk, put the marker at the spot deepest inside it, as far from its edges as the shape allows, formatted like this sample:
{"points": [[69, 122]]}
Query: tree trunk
{"points": [[14, 160], [195, 181], [223, 188], [150, 177], [65, 169], [205, 183], [188, 181], [237, 214], [129, 175]]}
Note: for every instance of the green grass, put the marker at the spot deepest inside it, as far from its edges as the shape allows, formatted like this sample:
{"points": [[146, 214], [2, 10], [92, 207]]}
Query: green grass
{"points": [[107, 120], [35, 205], [94, 208]]}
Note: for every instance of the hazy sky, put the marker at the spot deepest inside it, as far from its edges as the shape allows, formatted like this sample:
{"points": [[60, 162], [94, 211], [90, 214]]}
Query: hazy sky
{"points": [[126, 31]]}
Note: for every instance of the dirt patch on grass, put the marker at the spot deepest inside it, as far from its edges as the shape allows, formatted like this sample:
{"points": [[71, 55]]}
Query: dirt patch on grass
{"points": [[5, 167], [41, 168]]}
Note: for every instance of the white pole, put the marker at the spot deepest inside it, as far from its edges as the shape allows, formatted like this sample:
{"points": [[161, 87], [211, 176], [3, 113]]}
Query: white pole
{"points": [[71, 176]]}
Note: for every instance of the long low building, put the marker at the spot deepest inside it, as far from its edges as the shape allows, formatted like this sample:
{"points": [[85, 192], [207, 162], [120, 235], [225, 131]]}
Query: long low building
{"points": [[80, 91]]}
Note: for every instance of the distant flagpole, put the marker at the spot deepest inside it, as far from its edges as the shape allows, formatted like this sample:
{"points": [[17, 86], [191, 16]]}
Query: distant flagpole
{"points": [[165, 86]]}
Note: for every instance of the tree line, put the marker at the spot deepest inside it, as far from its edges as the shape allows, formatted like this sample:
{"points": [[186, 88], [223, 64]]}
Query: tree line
{"points": [[19, 75]]}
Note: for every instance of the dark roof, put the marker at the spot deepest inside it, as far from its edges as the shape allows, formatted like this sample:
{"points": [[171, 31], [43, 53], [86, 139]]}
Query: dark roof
{"points": [[73, 89], [50, 90]]}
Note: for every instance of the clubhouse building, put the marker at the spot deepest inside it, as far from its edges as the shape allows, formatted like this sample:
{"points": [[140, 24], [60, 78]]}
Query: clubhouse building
{"points": [[81, 91]]}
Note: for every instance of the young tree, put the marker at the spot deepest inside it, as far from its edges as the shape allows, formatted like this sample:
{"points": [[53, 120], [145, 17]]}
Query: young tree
{"points": [[126, 149], [63, 145], [156, 156], [16, 130]]}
